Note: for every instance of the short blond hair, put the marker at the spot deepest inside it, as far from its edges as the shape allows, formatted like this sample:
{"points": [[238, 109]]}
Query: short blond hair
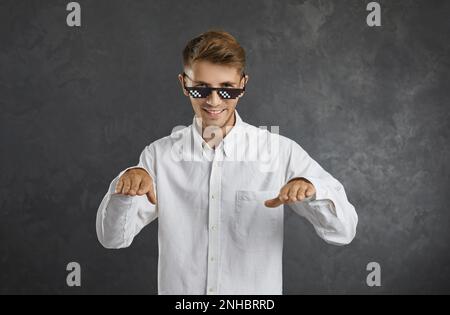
{"points": [[215, 46]]}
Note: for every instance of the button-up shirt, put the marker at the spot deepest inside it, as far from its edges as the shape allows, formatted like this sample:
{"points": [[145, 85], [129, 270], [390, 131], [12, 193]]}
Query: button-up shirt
{"points": [[215, 234]]}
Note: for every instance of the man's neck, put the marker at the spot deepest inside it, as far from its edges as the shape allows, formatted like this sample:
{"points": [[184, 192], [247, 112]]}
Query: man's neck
{"points": [[214, 140]]}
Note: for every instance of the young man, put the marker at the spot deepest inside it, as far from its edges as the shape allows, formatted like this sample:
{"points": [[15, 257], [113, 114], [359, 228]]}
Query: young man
{"points": [[218, 188]]}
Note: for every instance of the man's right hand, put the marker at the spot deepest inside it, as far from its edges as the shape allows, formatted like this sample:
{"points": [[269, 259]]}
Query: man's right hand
{"points": [[136, 181]]}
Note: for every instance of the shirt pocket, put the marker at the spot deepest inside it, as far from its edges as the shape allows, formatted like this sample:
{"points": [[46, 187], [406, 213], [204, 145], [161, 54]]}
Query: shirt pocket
{"points": [[256, 226]]}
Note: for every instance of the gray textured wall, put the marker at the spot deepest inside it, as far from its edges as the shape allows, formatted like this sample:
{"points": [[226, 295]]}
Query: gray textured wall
{"points": [[371, 105]]}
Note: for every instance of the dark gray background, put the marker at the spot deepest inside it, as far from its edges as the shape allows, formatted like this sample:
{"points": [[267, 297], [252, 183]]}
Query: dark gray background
{"points": [[371, 105]]}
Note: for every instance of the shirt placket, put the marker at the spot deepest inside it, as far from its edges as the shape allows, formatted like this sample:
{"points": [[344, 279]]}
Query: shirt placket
{"points": [[213, 222]]}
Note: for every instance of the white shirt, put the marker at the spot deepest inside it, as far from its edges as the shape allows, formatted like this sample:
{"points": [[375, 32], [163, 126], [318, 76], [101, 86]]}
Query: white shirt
{"points": [[215, 234]]}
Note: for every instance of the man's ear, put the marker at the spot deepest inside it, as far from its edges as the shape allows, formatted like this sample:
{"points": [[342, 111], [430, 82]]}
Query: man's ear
{"points": [[181, 79], [246, 78]]}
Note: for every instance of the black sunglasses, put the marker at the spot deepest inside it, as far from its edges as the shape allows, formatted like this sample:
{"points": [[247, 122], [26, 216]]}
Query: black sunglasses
{"points": [[224, 93]]}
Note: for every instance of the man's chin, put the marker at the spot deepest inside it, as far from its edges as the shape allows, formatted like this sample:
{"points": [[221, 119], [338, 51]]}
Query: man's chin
{"points": [[213, 122]]}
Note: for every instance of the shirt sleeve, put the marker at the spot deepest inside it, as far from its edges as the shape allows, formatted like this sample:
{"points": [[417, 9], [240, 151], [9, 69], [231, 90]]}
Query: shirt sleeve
{"points": [[334, 218], [119, 217]]}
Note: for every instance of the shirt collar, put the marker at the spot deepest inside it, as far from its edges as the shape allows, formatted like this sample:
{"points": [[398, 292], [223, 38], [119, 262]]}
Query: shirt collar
{"points": [[228, 143]]}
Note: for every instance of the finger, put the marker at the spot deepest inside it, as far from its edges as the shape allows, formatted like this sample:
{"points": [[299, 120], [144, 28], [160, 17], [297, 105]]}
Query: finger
{"points": [[135, 183], [310, 191], [144, 186], [151, 196], [273, 203], [126, 185], [293, 192], [284, 193], [119, 185], [301, 193]]}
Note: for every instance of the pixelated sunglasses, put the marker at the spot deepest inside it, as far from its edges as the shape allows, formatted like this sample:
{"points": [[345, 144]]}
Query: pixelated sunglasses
{"points": [[203, 91]]}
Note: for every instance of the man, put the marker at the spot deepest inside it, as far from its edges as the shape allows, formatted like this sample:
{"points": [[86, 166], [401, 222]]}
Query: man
{"points": [[218, 188]]}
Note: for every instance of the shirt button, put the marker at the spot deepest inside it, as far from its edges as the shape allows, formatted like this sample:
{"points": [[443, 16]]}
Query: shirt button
{"points": [[212, 258], [213, 227], [212, 196], [211, 290]]}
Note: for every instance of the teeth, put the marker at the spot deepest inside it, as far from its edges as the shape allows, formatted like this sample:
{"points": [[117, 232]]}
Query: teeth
{"points": [[214, 111]]}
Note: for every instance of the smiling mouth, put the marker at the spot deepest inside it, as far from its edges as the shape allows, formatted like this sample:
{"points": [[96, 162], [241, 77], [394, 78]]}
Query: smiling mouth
{"points": [[214, 112]]}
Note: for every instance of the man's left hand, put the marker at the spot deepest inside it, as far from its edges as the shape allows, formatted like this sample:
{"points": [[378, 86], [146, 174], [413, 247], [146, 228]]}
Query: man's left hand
{"points": [[295, 190]]}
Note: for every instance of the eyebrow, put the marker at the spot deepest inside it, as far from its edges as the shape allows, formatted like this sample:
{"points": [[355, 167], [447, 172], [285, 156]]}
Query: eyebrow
{"points": [[207, 84], [223, 83]]}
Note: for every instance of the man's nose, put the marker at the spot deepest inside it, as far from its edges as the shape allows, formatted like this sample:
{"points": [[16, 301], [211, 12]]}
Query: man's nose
{"points": [[213, 99]]}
